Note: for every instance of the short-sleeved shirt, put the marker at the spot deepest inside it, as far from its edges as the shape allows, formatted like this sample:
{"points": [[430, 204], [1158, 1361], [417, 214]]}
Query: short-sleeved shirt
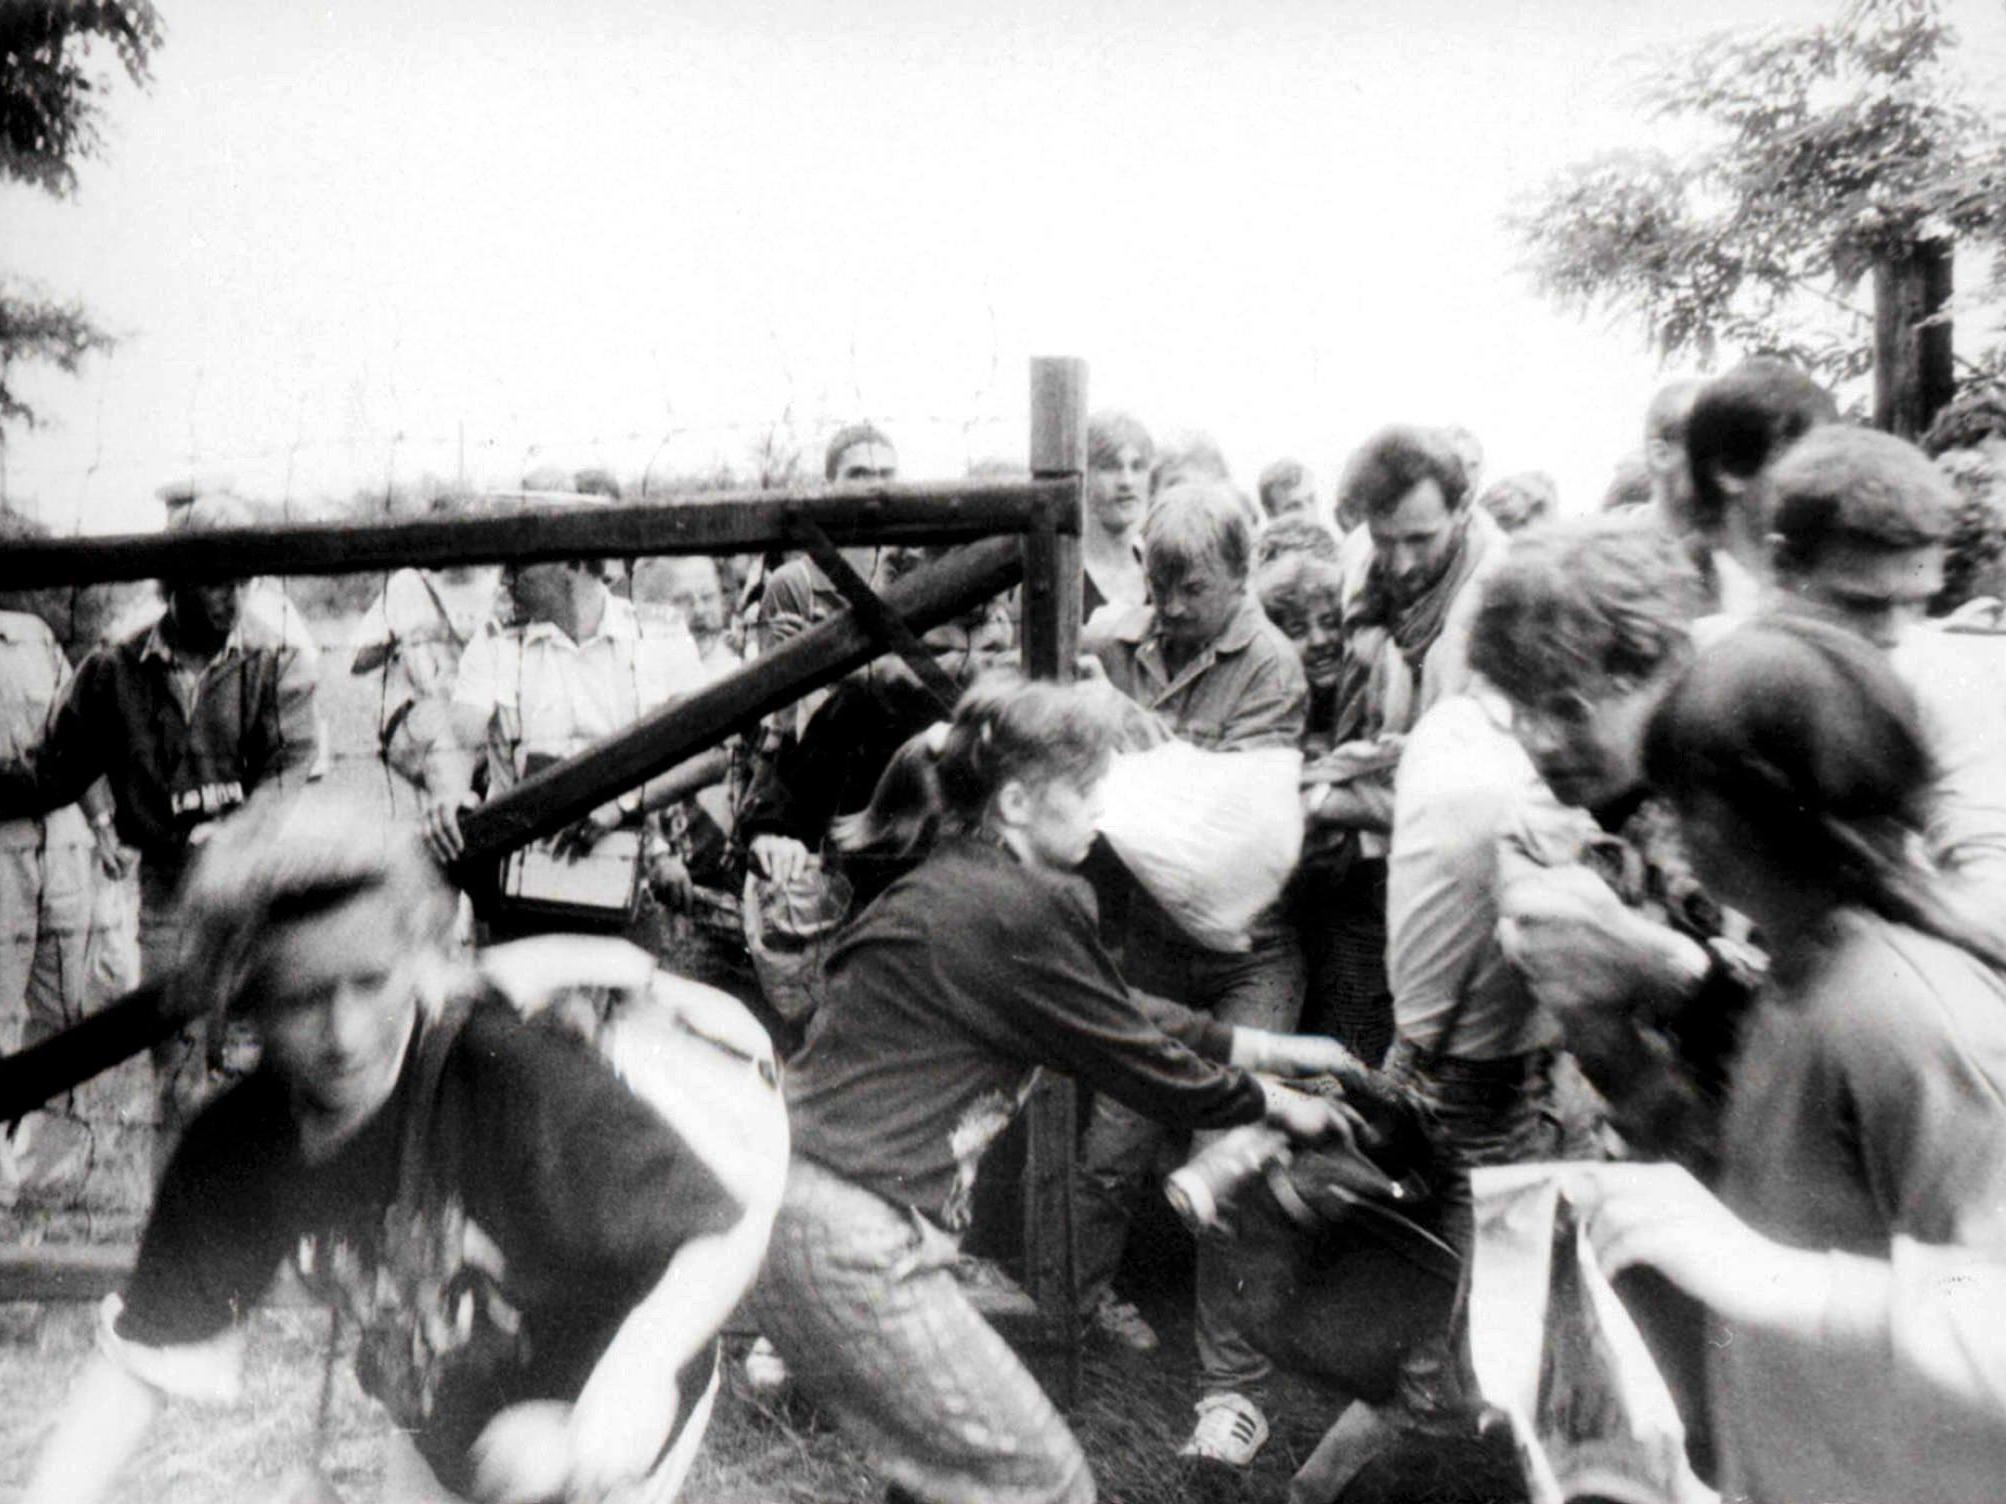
{"points": [[547, 697], [33, 673], [577, 1192], [966, 975], [1245, 688]]}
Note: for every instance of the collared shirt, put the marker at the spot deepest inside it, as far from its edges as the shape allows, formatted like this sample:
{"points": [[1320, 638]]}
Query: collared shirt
{"points": [[547, 697], [33, 673], [1245, 688], [1464, 780], [171, 769]]}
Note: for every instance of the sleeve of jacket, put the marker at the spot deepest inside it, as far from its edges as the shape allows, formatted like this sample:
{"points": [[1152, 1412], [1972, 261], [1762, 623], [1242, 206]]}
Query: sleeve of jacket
{"points": [[294, 748], [1272, 709], [1071, 1010], [1931, 1315], [69, 757]]}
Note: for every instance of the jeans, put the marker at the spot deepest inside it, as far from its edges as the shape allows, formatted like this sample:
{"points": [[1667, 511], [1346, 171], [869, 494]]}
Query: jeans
{"points": [[1342, 922], [1261, 989]]}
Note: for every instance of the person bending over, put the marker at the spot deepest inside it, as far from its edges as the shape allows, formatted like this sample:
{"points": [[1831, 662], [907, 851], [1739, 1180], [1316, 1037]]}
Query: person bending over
{"points": [[537, 1260], [966, 976]]}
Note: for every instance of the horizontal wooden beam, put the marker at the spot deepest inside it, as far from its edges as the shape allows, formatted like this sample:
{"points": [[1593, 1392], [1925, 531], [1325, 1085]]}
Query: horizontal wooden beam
{"points": [[69, 1057], [555, 797], [910, 513], [552, 799]]}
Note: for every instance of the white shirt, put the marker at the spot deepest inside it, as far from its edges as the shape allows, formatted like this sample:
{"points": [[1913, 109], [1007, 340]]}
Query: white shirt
{"points": [[1463, 782], [547, 697]]}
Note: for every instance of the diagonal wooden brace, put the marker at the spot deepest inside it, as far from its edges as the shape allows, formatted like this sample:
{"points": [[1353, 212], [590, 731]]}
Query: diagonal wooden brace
{"points": [[548, 801], [883, 623]]}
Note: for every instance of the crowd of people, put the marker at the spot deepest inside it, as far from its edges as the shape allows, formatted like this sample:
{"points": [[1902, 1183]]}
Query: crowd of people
{"points": [[1668, 842]]}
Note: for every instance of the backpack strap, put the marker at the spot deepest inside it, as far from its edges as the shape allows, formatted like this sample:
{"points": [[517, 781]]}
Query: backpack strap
{"points": [[445, 616], [438, 1033]]}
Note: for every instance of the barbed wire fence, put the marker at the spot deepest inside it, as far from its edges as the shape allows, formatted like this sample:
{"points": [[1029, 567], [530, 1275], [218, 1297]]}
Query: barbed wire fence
{"points": [[104, 1185]]}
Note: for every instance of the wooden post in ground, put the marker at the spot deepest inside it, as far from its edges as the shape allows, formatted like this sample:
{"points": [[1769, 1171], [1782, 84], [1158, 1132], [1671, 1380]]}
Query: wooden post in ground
{"points": [[1913, 377], [1051, 635]]}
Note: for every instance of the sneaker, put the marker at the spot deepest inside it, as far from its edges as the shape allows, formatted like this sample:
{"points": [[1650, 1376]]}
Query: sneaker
{"points": [[1119, 1321], [1230, 1430], [765, 1369]]}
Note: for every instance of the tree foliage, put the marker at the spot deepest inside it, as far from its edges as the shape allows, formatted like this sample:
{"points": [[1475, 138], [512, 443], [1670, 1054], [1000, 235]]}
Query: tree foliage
{"points": [[54, 77], [32, 328], [1820, 153], [54, 80]]}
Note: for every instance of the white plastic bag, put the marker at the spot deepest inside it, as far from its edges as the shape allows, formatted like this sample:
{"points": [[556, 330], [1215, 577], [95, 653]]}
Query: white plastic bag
{"points": [[1212, 836], [1554, 1347]]}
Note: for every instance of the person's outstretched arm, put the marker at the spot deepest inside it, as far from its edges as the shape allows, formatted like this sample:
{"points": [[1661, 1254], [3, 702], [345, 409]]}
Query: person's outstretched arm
{"points": [[103, 1423]]}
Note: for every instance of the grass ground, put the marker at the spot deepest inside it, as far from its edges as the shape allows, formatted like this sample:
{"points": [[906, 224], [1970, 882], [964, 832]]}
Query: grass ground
{"points": [[1131, 1413]]}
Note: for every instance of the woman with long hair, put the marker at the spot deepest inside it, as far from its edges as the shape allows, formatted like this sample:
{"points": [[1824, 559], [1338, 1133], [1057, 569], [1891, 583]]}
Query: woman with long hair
{"points": [[966, 975], [1856, 1248]]}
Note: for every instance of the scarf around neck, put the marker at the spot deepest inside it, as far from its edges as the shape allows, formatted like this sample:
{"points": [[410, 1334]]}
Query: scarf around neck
{"points": [[1385, 638]]}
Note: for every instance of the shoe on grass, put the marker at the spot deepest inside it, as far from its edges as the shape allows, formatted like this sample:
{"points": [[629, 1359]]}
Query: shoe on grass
{"points": [[1119, 1321], [765, 1370], [1230, 1430]]}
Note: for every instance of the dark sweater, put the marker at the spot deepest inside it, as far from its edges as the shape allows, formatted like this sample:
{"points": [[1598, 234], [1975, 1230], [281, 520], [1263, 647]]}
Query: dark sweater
{"points": [[966, 974]]}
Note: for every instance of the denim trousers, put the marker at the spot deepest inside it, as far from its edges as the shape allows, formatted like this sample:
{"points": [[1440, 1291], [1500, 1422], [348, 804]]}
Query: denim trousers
{"points": [[1262, 989]]}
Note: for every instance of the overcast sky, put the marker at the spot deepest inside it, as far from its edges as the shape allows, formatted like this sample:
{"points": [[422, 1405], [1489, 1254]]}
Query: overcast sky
{"points": [[355, 241]]}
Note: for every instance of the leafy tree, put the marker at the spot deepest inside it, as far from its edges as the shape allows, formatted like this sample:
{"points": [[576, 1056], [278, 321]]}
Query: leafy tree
{"points": [[54, 76], [1822, 156]]}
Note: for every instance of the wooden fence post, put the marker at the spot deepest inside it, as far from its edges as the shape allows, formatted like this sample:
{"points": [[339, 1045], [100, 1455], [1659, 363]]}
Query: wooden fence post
{"points": [[1913, 375], [1051, 634]]}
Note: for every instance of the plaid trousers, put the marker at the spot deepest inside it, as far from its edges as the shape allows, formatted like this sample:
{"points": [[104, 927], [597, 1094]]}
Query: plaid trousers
{"points": [[859, 1297]]}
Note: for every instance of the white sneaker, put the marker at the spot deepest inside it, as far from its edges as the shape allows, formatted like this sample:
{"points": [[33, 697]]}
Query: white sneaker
{"points": [[1121, 1322], [1230, 1430], [765, 1370]]}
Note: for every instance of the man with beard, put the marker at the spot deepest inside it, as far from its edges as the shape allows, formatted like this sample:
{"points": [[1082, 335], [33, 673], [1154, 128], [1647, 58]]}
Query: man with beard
{"points": [[1409, 592], [184, 719]]}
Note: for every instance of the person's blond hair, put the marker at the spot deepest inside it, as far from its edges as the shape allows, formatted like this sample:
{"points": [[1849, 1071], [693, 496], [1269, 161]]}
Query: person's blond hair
{"points": [[289, 856]]}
